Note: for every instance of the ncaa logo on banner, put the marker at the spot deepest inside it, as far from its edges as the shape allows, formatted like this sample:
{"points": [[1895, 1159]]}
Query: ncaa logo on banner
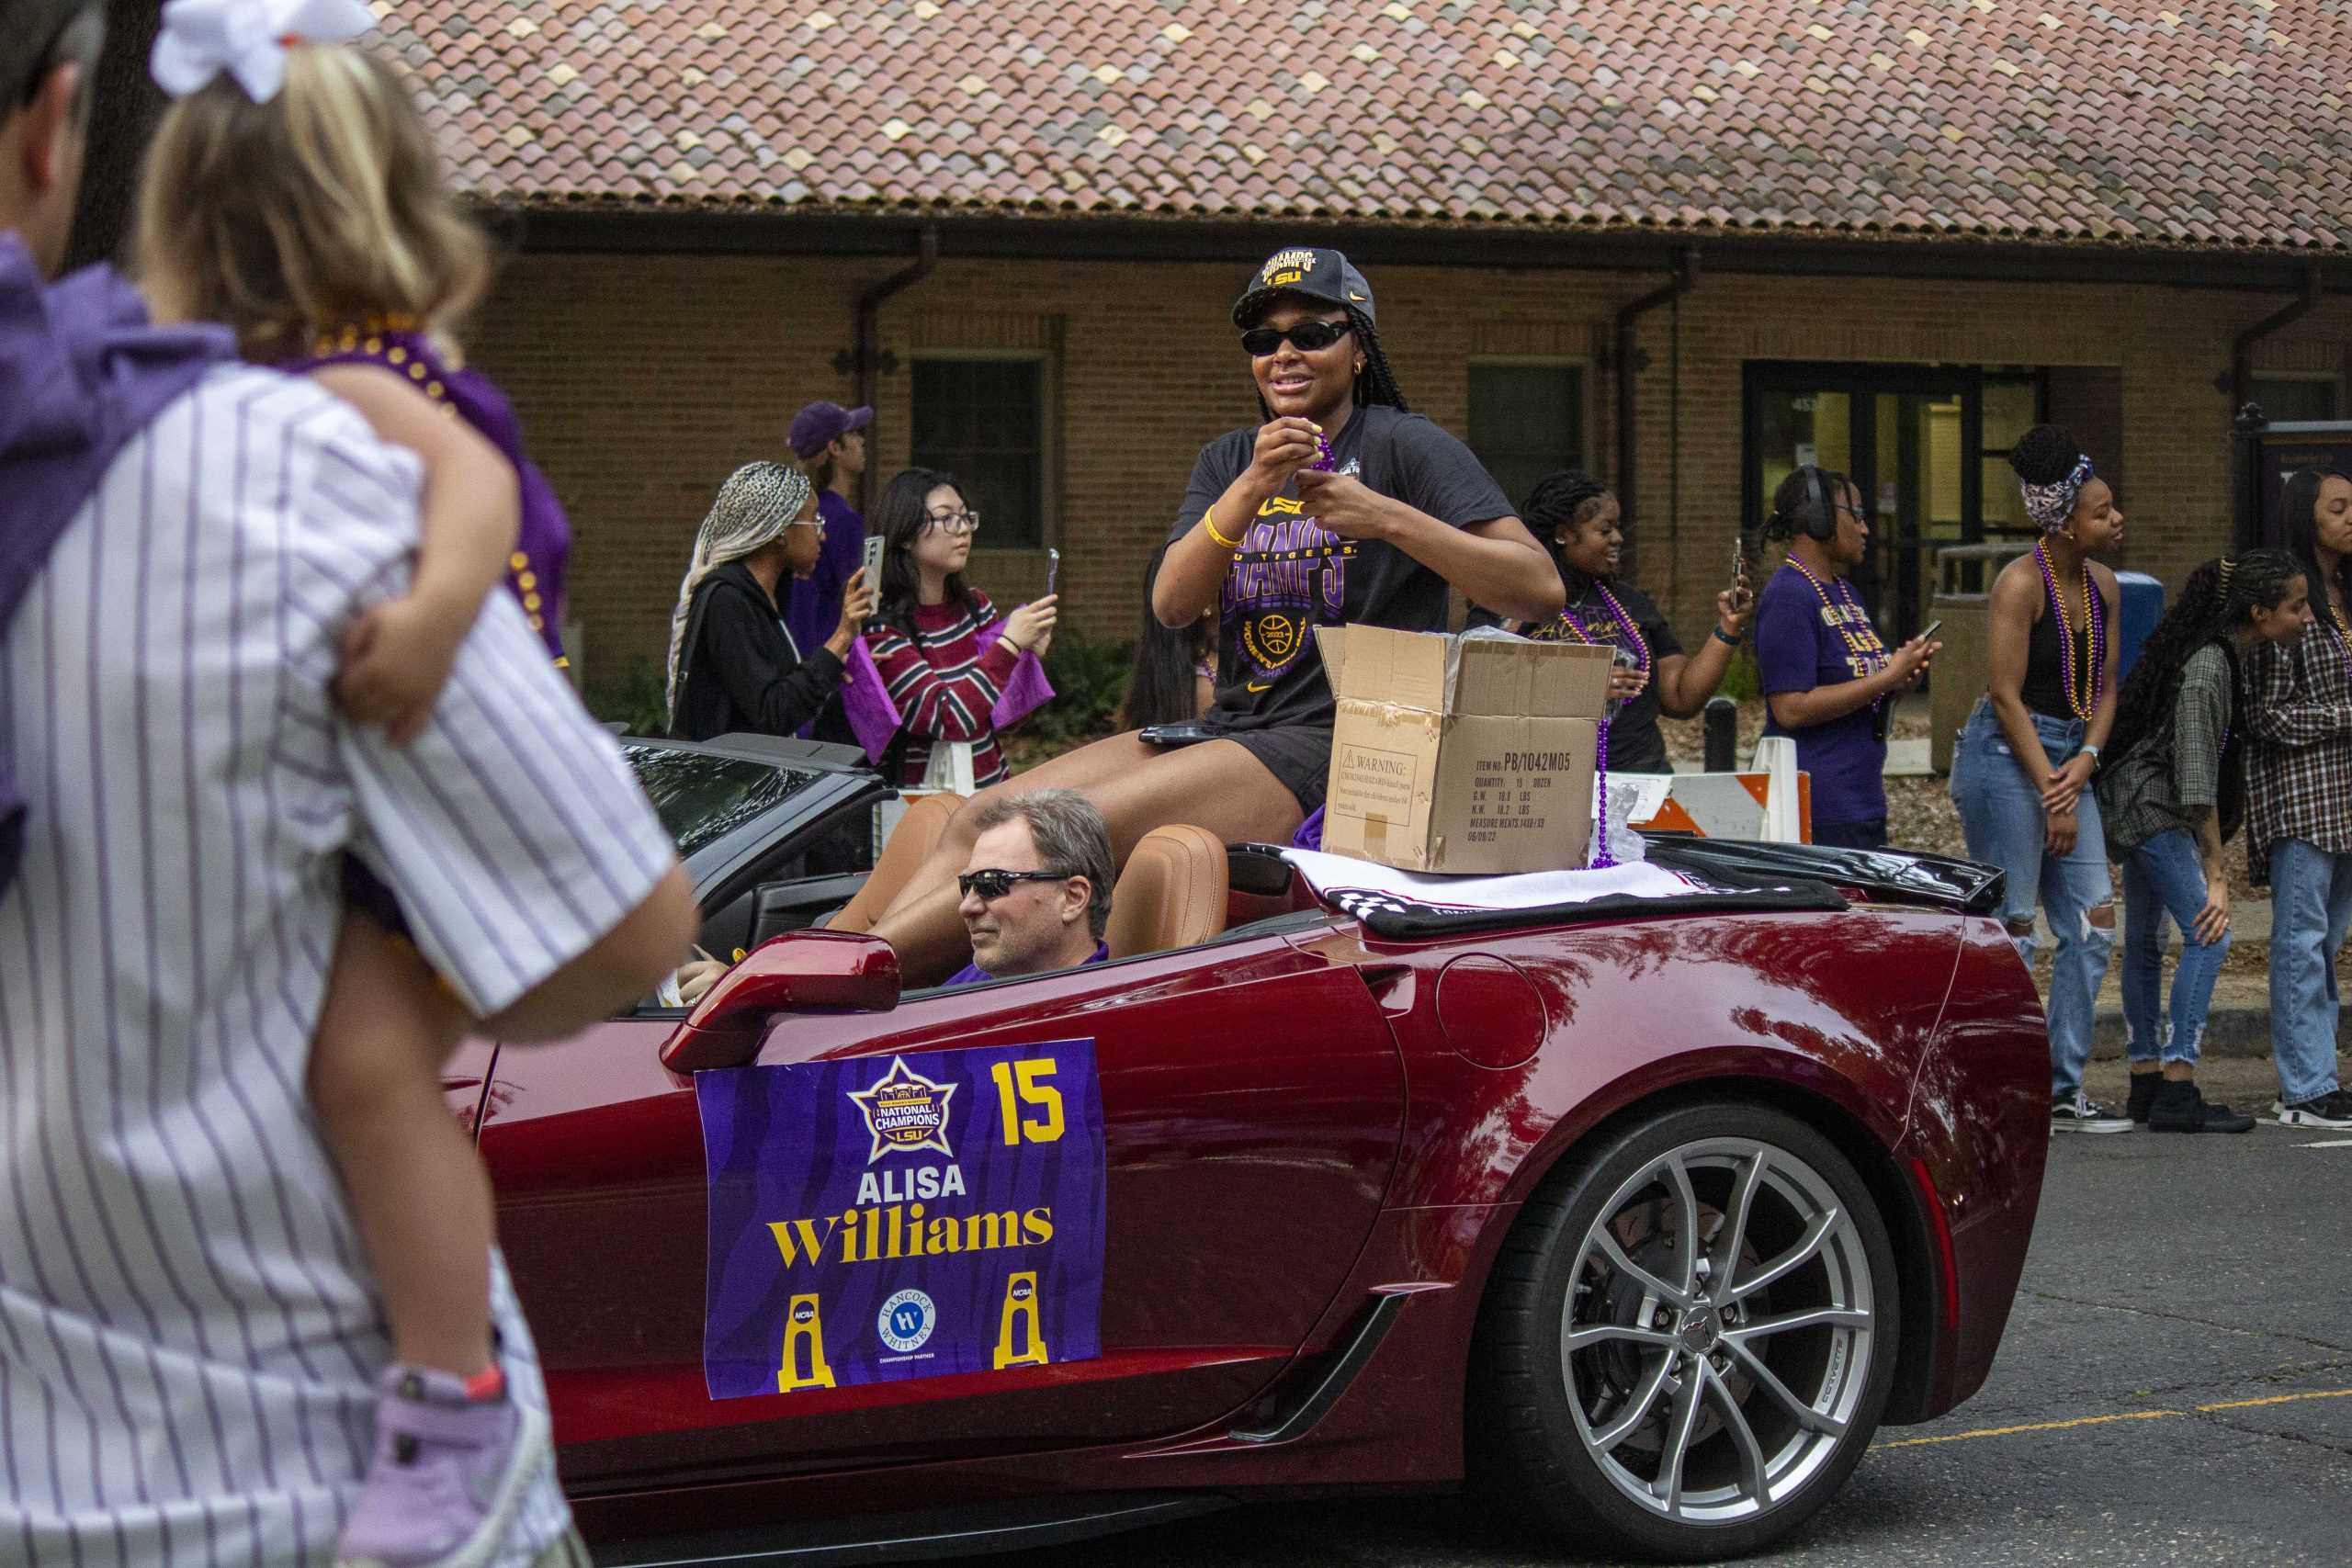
{"points": [[905, 1321]]}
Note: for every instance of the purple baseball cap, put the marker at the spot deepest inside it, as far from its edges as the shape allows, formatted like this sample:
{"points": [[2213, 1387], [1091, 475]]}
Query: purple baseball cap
{"points": [[819, 426]]}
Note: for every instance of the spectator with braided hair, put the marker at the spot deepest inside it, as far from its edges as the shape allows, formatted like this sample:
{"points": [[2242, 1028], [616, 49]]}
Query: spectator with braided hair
{"points": [[2170, 793], [1579, 517], [734, 666], [1341, 507]]}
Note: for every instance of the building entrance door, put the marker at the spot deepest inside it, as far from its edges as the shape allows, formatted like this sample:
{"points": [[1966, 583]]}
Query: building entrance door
{"points": [[1912, 439]]}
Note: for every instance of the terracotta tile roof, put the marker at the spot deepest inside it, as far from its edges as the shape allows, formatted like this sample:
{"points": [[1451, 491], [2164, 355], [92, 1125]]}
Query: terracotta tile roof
{"points": [[2217, 123]]}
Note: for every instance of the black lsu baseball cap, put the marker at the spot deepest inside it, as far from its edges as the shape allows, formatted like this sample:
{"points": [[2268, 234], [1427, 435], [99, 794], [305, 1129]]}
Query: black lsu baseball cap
{"points": [[1326, 275]]}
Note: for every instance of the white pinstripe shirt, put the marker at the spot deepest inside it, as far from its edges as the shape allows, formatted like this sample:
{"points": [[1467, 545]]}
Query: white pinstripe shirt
{"points": [[188, 1335]]}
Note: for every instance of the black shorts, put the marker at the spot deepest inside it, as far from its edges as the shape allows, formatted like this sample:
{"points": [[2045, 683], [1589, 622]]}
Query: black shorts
{"points": [[1297, 754]]}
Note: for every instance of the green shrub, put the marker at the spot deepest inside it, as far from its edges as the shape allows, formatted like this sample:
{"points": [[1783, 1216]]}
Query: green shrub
{"points": [[1741, 681], [1089, 678], [634, 699]]}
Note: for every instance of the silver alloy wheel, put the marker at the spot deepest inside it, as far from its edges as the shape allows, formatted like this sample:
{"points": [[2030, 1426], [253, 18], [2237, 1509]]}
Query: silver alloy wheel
{"points": [[1711, 1380]]}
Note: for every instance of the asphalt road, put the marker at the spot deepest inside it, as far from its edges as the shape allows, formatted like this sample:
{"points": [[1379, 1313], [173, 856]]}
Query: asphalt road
{"points": [[2182, 1293]]}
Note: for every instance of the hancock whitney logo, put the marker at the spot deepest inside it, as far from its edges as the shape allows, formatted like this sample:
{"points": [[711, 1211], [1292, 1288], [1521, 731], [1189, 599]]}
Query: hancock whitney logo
{"points": [[906, 1112]]}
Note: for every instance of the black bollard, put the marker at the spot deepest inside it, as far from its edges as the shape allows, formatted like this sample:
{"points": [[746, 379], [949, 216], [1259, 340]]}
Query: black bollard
{"points": [[1723, 735]]}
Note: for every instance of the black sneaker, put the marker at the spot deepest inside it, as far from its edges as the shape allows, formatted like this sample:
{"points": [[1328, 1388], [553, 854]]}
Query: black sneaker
{"points": [[2183, 1108], [2143, 1095], [2333, 1109], [2078, 1113]]}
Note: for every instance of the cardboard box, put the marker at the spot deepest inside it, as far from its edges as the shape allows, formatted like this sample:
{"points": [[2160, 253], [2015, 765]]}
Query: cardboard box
{"points": [[1462, 754]]}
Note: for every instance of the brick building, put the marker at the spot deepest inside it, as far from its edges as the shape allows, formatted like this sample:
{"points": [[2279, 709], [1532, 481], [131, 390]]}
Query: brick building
{"points": [[1687, 248]]}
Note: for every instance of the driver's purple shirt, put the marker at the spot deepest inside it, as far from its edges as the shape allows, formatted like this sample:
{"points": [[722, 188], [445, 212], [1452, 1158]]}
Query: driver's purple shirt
{"points": [[973, 975]]}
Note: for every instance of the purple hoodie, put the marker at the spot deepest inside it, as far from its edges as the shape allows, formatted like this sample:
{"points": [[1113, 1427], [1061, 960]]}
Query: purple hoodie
{"points": [[82, 371]]}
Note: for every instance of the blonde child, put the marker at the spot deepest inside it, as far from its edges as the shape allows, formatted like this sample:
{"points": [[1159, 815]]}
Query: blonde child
{"points": [[293, 193]]}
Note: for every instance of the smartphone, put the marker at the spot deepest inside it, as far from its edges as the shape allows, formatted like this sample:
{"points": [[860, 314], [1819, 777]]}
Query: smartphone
{"points": [[1930, 635], [873, 565], [1053, 569], [1740, 594], [1189, 733]]}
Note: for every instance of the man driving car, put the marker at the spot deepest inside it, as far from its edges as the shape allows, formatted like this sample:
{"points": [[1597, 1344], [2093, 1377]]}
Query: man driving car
{"points": [[1037, 895]]}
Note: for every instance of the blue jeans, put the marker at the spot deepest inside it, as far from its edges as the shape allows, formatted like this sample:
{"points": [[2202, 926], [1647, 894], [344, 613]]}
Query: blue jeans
{"points": [[2162, 877], [2310, 909], [2000, 814]]}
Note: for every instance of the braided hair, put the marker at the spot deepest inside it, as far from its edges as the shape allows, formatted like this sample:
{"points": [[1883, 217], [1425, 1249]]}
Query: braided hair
{"points": [[1378, 385], [1792, 495], [2218, 597], [751, 512], [1567, 499], [2299, 507]]}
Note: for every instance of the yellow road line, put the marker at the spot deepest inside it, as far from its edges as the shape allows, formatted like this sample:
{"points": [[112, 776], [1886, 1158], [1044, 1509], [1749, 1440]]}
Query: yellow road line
{"points": [[2105, 1420], [2030, 1426], [2278, 1399]]}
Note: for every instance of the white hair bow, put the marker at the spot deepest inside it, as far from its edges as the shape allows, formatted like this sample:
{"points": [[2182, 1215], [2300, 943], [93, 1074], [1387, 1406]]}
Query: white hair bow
{"points": [[201, 39]]}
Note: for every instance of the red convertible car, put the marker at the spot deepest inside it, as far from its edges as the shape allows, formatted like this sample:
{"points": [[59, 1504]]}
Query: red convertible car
{"points": [[1644, 1214]]}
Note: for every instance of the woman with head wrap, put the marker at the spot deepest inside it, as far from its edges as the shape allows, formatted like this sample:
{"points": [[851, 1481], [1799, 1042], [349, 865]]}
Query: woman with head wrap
{"points": [[733, 667], [2022, 767]]}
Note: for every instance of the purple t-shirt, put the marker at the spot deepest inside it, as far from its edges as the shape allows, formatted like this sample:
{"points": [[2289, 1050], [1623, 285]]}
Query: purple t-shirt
{"points": [[813, 608], [973, 975], [1798, 648]]}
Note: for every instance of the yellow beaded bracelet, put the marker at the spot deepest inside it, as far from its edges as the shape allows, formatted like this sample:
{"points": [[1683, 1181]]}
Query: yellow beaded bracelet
{"points": [[1208, 521]]}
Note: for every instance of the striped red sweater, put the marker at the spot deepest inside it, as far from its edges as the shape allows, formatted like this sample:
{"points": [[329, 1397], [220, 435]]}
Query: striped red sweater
{"points": [[946, 687]]}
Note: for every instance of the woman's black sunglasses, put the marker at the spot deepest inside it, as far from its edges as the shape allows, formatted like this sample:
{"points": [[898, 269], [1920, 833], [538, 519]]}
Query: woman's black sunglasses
{"points": [[992, 885], [1259, 342]]}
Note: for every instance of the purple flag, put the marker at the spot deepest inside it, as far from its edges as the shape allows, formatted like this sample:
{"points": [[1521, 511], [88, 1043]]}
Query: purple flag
{"points": [[885, 1218], [873, 718]]}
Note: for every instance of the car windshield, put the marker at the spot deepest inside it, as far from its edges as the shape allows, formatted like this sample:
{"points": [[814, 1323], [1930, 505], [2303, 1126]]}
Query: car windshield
{"points": [[702, 797]]}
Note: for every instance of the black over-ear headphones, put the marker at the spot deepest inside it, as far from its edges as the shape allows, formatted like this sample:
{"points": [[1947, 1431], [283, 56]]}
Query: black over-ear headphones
{"points": [[1816, 517]]}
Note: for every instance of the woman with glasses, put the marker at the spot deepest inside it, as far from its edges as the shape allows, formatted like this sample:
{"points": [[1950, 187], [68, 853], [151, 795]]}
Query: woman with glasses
{"points": [[733, 666], [2021, 770], [931, 639], [1339, 507]]}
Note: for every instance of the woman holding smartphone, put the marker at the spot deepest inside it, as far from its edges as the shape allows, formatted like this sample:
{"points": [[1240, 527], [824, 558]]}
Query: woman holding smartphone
{"points": [[1341, 507], [1580, 518]]}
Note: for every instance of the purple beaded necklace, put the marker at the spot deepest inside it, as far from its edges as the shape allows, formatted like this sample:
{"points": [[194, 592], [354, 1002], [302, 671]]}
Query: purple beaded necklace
{"points": [[1600, 858], [2093, 682]]}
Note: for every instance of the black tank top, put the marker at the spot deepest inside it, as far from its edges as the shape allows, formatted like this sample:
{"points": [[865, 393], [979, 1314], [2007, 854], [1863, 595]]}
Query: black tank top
{"points": [[2045, 689]]}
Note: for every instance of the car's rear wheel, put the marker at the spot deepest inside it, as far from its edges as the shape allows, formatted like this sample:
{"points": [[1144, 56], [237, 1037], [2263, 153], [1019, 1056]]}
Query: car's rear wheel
{"points": [[1690, 1336]]}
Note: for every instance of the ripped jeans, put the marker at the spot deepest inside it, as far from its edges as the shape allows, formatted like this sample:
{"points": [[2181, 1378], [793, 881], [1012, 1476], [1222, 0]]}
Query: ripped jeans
{"points": [[2000, 813]]}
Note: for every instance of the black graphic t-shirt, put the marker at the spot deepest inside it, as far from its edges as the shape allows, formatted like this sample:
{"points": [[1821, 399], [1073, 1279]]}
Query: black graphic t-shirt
{"points": [[1635, 743], [1291, 576]]}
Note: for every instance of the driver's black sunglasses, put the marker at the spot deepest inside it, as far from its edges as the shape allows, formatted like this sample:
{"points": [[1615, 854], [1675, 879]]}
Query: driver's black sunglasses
{"points": [[992, 885], [1259, 342]]}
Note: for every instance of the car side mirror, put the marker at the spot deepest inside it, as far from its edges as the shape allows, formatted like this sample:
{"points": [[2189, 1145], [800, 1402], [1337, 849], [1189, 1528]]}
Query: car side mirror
{"points": [[798, 972]]}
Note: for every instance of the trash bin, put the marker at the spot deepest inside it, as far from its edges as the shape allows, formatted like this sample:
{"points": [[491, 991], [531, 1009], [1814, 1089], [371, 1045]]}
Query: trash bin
{"points": [[2142, 607], [1965, 576]]}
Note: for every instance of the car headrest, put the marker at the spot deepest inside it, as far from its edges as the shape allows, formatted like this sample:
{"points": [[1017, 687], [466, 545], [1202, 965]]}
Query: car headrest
{"points": [[1171, 894], [911, 841]]}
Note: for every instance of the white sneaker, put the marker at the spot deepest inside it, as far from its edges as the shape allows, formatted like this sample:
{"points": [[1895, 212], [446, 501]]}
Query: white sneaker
{"points": [[2078, 1113], [2333, 1109]]}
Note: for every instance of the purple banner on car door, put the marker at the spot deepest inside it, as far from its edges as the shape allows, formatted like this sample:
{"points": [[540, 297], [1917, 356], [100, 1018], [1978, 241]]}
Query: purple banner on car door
{"points": [[893, 1217]]}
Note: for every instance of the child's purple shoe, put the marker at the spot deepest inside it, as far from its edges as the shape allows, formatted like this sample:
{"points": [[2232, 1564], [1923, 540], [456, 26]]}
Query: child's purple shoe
{"points": [[448, 1475]]}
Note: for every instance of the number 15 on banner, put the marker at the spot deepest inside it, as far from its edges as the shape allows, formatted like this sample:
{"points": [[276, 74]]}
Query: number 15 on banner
{"points": [[1021, 1084]]}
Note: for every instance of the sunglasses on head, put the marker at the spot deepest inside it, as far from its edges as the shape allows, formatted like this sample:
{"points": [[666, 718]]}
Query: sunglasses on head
{"points": [[1307, 336], [992, 885]]}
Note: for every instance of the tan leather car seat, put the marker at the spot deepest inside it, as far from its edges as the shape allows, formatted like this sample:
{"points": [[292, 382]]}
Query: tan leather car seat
{"points": [[1171, 894], [911, 841]]}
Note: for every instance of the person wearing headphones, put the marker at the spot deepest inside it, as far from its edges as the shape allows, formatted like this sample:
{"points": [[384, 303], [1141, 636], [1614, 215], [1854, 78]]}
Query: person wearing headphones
{"points": [[1827, 678]]}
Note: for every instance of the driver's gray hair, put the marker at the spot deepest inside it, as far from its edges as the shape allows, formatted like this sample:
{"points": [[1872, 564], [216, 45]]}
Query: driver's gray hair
{"points": [[1071, 836]]}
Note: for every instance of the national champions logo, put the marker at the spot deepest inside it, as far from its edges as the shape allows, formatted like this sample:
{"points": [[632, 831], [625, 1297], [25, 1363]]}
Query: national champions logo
{"points": [[905, 1113]]}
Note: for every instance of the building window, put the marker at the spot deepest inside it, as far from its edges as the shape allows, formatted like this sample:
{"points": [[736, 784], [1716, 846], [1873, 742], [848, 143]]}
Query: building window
{"points": [[2294, 399], [983, 420], [1527, 420]]}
